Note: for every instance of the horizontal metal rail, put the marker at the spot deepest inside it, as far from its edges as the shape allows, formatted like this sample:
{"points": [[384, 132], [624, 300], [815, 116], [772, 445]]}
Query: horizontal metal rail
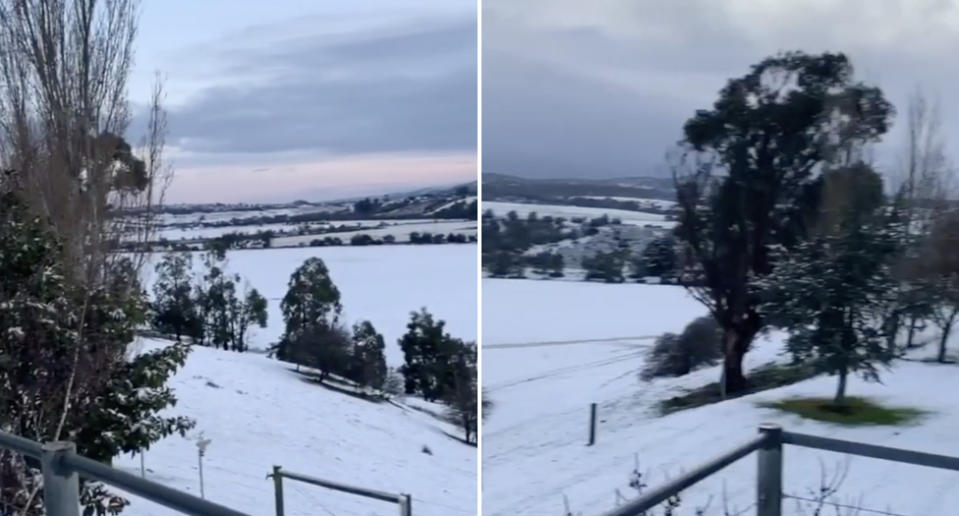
{"points": [[60, 463], [158, 493], [21, 445], [336, 486], [658, 495], [871, 450], [769, 476]]}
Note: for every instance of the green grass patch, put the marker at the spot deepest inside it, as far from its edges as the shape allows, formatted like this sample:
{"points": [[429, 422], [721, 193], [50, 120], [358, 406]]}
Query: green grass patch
{"points": [[854, 412], [768, 376]]}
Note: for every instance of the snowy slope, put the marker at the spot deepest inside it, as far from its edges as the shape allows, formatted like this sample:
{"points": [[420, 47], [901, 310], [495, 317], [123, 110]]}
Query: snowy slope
{"points": [[258, 413], [534, 449]]}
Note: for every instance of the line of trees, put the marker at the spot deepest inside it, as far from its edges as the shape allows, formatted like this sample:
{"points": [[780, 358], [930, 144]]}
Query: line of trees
{"points": [[208, 308], [785, 223], [436, 366]]}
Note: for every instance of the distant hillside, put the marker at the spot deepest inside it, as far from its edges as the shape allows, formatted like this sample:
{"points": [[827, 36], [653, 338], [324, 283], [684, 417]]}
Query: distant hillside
{"points": [[500, 187]]}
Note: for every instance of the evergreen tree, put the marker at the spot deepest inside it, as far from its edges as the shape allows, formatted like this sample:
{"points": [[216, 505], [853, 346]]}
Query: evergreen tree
{"points": [[427, 351], [833, 290], [311, 303], [658, 258], [746, 179], [62, 340], [173, 307], [368, 366]]}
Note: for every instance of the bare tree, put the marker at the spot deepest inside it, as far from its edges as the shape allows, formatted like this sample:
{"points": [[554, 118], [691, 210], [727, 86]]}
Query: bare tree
{"points": [[925, 185], [64, 114]]}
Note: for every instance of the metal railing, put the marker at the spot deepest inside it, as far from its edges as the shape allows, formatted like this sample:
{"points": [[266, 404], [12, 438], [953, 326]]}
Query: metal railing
{"points": [[769, 445], [404, 501], [62, 469]]}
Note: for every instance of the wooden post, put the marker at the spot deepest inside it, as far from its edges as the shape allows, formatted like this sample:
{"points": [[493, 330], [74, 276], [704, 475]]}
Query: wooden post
{"points": [[278, 489], [592, 424], [769, 487]]}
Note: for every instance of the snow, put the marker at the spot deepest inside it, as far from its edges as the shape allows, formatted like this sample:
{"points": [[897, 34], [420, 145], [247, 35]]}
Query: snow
{"points": [[534, 440], [258, 413], [400, 231], [636, 218], [380, 283], [643, 201]]}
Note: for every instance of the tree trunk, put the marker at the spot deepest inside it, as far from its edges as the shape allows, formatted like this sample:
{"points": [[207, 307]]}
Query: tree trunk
{"points": [[736, 341], [841, 389], [946, 330], [913, 321]]}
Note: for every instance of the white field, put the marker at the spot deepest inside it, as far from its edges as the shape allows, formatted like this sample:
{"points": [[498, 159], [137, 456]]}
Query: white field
{"points": [[643, 201], [176, 233], [261, 413], [401, 231], [534, 441], [523, 210], [380, 283]]}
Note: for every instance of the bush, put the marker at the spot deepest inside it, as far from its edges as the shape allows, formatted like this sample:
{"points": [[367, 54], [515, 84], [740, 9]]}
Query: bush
{"points": [[675, 355]]}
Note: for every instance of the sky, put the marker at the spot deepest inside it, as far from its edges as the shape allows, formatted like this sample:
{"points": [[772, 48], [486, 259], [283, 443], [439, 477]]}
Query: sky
{"points": [[602, 88], [299, 99]]}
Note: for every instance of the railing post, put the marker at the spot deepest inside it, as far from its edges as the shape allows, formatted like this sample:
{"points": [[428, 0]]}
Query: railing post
{"points": [[61, 486], [278, 489], [769, 475], [406, 505], [592, 424]]}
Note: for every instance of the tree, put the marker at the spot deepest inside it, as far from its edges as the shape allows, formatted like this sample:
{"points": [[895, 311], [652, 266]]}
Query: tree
{"points": [[461, 397], [833, 290], [745, 178], [368, 364], [605, 266], [941, 264], [427, 351], [658, 258], [215, 296], [244, 313], [48, 320], [311, 304], [173, 308], [65, 113], [323, 346], [924, 190]]}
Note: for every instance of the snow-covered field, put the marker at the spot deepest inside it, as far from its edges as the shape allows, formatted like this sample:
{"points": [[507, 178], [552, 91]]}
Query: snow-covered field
{"points": [[534, 442], [643, 201], [380, 283], [401, 231], [637, 218], [258, 413]]}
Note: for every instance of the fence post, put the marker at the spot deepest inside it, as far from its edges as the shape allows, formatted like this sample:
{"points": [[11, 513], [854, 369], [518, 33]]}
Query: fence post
{"points": [[61, 486], [278, 489], [406, 505], [769, 475], [592, 424]]}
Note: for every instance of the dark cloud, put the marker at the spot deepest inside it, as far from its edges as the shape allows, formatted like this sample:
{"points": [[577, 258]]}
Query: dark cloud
{"points": [[602, 89], [409, 87]]}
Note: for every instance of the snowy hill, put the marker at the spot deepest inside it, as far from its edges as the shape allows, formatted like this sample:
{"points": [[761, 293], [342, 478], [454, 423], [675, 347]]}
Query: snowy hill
{"points": [[534, 444], [259, 413]]}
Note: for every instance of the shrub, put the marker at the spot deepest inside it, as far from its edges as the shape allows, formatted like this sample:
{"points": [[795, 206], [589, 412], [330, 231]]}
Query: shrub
{"points": [[676, 355]]}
